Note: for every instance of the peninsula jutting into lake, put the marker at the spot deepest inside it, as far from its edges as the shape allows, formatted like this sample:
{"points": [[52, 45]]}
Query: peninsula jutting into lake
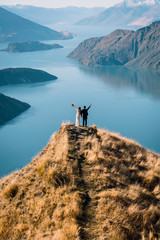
{"points": [[122, 47], [10, 108]]}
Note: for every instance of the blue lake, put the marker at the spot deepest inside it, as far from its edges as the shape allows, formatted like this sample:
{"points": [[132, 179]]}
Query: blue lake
{"points": [[124, 100]]}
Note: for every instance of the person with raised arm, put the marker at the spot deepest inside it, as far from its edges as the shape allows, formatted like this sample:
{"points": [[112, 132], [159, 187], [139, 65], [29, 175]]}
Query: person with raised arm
{"points": [[78, 115], [84, 113]]}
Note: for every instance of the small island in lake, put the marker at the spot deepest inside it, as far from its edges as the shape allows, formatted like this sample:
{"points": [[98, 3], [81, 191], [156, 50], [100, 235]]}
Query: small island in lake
{"points": [[29, 46], [24, 75], [10, 108]]}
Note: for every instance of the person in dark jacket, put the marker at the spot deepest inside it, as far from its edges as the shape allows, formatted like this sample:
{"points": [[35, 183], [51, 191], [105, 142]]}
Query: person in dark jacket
{"points": [[84, 113]]}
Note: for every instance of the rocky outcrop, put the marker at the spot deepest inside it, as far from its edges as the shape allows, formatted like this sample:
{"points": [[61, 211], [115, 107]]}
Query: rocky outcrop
{"points": [[15, 28], [23, 75], [87, 183], [10, 108], [29, 46], [122, 47]]}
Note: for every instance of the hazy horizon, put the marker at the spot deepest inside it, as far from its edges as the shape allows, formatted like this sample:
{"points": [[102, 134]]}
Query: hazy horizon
{"points": [[62, 3]]}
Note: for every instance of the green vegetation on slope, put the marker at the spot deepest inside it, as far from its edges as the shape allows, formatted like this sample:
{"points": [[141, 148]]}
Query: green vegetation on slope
{"points": [[86, 184]]}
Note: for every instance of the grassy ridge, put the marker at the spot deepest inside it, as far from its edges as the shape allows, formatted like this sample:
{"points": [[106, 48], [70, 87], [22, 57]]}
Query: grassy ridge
{"points": [[86, 184]]}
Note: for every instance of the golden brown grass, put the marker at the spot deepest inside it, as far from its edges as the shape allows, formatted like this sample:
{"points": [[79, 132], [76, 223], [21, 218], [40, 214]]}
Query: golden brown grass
{"points": [[86, 184]]}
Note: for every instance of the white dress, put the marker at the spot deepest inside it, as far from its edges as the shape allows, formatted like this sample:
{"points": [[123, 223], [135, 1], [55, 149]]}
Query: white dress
{"points": [[77, 117]]}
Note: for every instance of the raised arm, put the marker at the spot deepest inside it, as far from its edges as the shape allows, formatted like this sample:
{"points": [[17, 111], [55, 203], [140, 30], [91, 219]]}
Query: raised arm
{"points": [[89, 106], [74, 106]]}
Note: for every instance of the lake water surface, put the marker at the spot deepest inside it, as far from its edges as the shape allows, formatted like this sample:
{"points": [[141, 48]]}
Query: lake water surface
{"points": [[125, 100]]}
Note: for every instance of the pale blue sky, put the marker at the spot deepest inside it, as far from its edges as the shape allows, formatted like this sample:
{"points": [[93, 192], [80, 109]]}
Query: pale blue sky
{"points": [[62, 3]]}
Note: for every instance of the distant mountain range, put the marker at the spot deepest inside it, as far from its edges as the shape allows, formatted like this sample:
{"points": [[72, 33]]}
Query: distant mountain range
{"points": [[122, 47], [23, 75], [29, 46], [15, 28], [129, 14], [49, 16], [10, 108]]}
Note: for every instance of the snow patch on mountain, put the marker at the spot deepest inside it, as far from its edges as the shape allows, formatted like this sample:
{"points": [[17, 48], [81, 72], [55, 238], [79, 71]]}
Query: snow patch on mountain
{"points": [[135, 3]]}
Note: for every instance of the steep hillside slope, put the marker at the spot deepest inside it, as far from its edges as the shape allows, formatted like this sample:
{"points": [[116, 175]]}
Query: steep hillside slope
{"points": [[86, 184], [148, 17], [15, 28], [98, 51], [10, 108], [122, 47], [24, 75], [135, 13]]}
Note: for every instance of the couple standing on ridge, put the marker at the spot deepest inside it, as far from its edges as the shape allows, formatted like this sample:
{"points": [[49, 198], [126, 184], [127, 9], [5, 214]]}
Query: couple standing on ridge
{"points": [[81, 113]]}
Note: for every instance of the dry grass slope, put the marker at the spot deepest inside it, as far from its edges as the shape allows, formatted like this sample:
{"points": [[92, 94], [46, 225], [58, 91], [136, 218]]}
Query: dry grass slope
{"points": [[86, 184]]}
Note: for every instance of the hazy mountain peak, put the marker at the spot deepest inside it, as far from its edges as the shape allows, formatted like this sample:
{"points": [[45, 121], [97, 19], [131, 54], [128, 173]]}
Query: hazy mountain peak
{"points": [[134, 13], [135, 3]]}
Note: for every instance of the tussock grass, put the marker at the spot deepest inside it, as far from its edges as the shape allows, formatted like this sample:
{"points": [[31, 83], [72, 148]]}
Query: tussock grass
{"points": [[87, 183], [10, 191]]}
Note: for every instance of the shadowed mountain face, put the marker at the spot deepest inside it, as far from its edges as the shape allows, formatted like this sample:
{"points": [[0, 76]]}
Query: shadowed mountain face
{"points": [[122, 47], [10, 108], [129, 13], [23, 75], [15, 28], [50, 16], [29, 46], [87, 183]]}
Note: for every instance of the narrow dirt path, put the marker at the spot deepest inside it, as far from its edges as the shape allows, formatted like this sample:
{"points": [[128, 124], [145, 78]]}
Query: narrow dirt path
{"points": [[77, 136]]}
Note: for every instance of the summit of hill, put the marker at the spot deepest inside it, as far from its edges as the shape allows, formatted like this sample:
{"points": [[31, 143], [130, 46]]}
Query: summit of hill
{"points": [[87, 183]]}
